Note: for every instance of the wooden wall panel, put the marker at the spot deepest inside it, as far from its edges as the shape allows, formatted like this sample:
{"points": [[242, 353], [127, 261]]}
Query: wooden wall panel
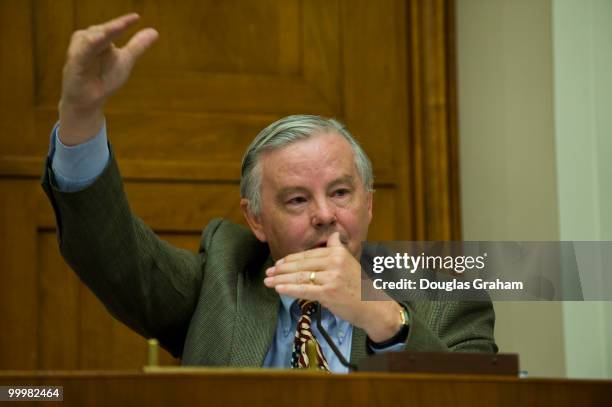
{"points": [[16, 80], [59, 308], [75, 331], [19, 301], [374, 87], [220, 72]]}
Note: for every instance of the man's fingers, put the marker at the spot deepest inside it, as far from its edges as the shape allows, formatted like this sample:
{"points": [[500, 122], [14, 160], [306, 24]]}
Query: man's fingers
{"points": [[294, 278], [118, 25], [112, 29], [312, 253], [303, 291], [97, 38], [309, 264], [139, 43], [109, 31], [302, 277], [334, 240]]}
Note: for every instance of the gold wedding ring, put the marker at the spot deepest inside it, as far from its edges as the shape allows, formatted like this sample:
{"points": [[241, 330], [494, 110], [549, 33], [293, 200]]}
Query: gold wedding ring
{"points": [[312, 277]]}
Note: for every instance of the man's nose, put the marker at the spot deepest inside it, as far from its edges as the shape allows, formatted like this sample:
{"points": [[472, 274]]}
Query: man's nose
{"points": [[323, 214]]}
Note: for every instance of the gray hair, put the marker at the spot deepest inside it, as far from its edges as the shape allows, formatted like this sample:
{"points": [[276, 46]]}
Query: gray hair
{"points": [[286, 131]]}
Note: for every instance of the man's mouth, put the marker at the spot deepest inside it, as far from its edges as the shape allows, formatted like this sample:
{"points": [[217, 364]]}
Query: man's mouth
{"points": [[318, 245]]}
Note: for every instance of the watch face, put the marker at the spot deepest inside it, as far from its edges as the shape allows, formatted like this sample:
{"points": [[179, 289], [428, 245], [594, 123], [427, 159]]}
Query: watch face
{"points": [[405, 316]]}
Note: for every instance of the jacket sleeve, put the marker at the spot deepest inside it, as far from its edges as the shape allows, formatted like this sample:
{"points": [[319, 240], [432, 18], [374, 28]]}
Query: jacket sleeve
{"points": [[142, 280], [459, 326]]}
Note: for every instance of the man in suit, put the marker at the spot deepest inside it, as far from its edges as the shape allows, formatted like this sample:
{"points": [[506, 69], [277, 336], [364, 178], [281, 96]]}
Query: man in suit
{"points": [[307, 196]]}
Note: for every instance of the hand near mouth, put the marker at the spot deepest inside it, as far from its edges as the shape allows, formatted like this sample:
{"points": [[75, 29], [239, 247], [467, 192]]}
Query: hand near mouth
{"points": [[332, 276]]}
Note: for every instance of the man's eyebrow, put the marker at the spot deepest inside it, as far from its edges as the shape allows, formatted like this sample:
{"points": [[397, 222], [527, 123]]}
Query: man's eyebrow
{"points": [[347, 179], [290, 190]]}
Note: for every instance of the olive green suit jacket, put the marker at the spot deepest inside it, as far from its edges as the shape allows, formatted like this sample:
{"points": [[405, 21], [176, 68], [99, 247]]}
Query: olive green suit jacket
{"points": [[210, 308]]}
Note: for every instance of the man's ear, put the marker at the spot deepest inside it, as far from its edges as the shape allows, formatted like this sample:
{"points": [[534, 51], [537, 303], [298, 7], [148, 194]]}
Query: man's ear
{"points": [[253, 221]]}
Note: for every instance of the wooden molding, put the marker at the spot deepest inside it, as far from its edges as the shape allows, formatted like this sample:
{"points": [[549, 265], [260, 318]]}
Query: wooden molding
{"points": [[433, 120]]}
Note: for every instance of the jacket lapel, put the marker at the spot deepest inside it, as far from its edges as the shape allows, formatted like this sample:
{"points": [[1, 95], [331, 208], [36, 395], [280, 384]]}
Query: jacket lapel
{"points": [[257, 308], [358, 343]]}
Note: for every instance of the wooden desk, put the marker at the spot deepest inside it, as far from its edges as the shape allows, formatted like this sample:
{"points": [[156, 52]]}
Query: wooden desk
{"points": [[285, 388]]}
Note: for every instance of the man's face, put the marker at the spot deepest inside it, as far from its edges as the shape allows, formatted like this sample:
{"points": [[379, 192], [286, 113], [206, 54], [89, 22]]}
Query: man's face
{"points": [[310, 189]]}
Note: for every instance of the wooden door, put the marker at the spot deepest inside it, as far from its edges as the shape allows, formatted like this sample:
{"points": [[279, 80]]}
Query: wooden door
{"points": [[220, 72]]}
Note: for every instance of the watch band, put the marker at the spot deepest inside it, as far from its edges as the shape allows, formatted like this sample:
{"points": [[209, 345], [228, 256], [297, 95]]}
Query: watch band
{"points": [[400, 336]]}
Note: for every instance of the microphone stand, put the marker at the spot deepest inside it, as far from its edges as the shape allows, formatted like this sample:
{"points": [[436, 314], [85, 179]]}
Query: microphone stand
{"points": [[330, 341]]}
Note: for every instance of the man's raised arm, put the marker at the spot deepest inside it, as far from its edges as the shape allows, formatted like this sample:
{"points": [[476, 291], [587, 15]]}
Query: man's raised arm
{"points": [[142, 280]]}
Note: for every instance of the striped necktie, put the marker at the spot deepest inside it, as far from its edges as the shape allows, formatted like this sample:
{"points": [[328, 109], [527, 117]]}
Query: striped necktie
{"points": [[303, 334]]}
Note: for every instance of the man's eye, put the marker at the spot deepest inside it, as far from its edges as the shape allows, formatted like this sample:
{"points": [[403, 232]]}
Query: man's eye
{"points": [[296, 201], [341, 192]]}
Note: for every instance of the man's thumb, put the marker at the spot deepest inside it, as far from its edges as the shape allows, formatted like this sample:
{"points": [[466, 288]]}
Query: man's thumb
{"points": [[334, 240]]}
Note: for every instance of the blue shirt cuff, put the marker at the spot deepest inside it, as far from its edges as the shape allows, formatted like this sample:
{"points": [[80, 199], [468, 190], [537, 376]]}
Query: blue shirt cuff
{"points": [[77, 167], [398, 347]]}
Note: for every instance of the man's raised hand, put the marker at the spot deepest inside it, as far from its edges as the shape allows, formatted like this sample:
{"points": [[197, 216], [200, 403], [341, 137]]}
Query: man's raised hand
{"points": [[95, 69]]}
